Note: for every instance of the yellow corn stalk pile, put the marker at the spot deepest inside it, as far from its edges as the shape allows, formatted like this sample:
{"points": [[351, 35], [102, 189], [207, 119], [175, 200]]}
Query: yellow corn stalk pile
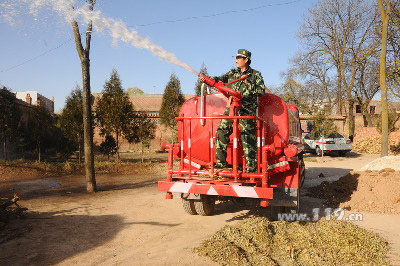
{"points": [[258, 241], [372, 145]]}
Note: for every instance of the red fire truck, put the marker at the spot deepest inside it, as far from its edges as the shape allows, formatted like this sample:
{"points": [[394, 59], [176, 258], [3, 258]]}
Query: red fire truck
{"points": [[280, 167]]}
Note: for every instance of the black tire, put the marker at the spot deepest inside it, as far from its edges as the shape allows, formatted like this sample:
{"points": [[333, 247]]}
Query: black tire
{"points": [[188, 206], [307, 148], [274, 211], [342, 153], [205, 206], [303, 172], [318, 151]]}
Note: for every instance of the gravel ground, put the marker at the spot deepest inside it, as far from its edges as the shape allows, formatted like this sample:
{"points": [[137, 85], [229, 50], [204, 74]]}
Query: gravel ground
{"points": [[392, 162]]}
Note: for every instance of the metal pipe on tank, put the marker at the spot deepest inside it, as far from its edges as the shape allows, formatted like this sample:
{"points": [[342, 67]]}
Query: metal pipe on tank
{"points": [[235, 149], [202, 104], [190, 149]]}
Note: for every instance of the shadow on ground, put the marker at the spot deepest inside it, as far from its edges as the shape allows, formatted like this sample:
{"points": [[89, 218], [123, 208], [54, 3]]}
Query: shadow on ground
{"points": [[51, 237], [315, 174], [337, 192], [48, 238]]}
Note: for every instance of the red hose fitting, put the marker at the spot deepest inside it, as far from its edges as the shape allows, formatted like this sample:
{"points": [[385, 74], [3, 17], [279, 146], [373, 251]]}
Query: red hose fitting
{"points": [[221, 86], [210, 82]]}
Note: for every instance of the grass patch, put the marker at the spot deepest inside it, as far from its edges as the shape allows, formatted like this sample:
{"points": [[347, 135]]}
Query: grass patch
{"points": [[310, 159], [129, 163]]}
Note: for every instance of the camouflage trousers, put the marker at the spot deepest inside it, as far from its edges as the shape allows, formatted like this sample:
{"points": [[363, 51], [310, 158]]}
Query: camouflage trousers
{"points": [[249, 141]]}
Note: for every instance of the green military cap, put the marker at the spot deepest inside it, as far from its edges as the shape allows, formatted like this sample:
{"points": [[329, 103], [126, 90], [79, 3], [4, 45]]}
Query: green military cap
{"points": [[244, 53]]}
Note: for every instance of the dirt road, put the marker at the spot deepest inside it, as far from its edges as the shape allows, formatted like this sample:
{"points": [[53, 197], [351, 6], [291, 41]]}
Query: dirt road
{"points": [[131, 222]]}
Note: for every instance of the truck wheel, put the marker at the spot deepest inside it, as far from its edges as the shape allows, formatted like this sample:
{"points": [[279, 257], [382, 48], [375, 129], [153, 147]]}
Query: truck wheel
{"points": [[318, 151], [188, 206], [205, 206], [297, 208], [303, 172], [283, 209], [274, 211]]}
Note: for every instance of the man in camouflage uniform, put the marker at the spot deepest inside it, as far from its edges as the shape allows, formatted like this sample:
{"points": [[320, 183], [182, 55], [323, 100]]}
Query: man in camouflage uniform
{"points": [[251, 88]]}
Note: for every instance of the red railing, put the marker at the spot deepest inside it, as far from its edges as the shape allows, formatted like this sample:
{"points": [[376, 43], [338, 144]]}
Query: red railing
{"points": [[238, 176]]}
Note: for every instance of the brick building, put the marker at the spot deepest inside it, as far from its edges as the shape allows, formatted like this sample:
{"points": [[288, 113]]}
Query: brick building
{"points": [[341, 120], [373, 108], [34, 98], [25, 101]]}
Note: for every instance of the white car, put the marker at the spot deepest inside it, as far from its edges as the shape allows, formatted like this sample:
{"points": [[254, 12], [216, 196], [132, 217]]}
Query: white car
{"points": [[332, 143]]}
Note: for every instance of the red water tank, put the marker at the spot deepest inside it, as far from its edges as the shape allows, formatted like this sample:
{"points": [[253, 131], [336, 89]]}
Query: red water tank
{"points": [[282, 127]]}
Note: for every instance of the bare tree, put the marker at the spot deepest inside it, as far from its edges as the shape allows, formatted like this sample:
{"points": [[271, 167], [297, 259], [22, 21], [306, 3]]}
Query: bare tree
{"points": [[341, 29], [294, 92], [393, 50], [87, 108], [384, 7], [367, 85], [313, 69]]}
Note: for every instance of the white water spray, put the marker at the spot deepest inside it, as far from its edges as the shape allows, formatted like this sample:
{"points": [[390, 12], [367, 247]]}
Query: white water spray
{"points": [[117, 29]]}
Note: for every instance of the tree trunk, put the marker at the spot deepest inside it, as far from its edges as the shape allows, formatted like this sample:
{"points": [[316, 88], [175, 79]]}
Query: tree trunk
{"points": [[117, 137], [339, 93], [351, 117], [87, 107], [382, 78], [79, 152], [39, 155], [367, 120], [88, 128], [366, 116], [142, 152], [348, 88], [5, 149]]}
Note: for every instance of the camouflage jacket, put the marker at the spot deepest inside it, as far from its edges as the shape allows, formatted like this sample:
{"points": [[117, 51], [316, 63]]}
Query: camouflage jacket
{"points": [[251, 88]]}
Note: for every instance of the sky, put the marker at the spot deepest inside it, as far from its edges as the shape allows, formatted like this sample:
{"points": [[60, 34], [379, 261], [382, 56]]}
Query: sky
{"points": [[53, 67]]}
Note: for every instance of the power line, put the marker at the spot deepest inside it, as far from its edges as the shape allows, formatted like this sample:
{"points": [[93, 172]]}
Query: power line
{"points": [[155, 23], [214, 15], [38, 56]]}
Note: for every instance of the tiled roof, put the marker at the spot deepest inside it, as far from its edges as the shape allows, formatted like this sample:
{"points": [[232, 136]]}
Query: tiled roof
{"points": [[146, 102]]}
